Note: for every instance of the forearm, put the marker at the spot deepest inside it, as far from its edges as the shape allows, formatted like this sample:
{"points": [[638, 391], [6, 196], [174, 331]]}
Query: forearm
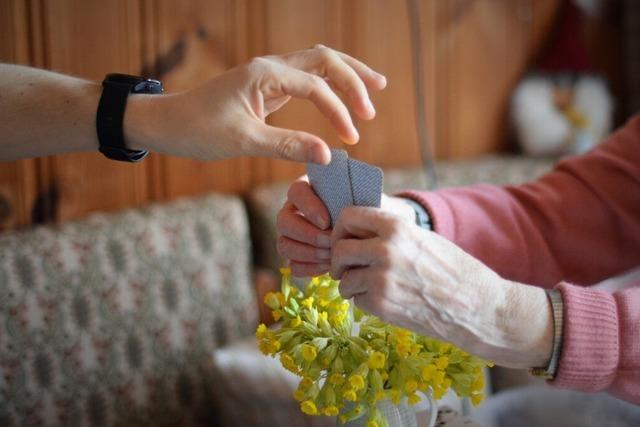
{"points": [[577, 223], [46, 113], [522, 336]]}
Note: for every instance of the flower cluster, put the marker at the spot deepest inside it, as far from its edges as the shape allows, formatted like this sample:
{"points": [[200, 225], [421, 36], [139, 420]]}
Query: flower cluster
{"points": [[346, 374]]}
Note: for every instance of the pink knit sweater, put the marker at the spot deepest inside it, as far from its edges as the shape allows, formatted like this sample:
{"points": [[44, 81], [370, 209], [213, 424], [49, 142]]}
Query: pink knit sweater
{"points": [[572, 228]]}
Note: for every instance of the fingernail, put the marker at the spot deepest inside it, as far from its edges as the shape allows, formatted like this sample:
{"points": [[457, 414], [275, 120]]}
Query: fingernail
{"points": [[319, 156], [324, 241], [370, 107], [323, 254], [355, 136], [322, 222]]}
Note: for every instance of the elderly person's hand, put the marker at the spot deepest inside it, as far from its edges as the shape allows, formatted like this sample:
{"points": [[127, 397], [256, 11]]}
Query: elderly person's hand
{"points": [[417, 279], [226, 116], [304, 228]]}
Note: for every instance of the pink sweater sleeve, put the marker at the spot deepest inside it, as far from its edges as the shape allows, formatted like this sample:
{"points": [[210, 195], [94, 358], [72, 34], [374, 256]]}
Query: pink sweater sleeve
{"points": [[578, 224]]}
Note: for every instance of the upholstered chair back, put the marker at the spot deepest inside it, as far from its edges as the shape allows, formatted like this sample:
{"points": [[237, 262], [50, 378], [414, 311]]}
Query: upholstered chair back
{"points": [[112, 320]]}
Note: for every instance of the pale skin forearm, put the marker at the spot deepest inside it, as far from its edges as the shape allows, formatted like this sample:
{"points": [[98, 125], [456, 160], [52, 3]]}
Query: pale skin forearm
{"points": [[44, 113]]}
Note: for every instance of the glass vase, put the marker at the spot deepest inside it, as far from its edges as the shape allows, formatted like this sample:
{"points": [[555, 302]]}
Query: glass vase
{"points": [[400, 415]]}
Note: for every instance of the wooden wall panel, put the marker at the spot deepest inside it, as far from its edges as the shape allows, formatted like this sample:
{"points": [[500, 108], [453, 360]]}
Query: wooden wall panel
{"points": [[379, 34], [195, 41], [283, 26], [483, 48], [90, 39], [18, 180]]}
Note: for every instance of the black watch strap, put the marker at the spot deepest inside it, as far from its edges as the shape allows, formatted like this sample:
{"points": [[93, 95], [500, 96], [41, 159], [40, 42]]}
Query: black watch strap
{"points": [[110, 115]]}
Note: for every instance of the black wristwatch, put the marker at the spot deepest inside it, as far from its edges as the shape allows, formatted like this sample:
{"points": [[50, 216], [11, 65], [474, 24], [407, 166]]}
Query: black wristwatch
{"points": [[110, 116]]}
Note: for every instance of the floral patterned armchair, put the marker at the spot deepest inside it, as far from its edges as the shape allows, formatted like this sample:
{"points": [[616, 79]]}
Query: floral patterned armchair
{"points": [[113, 320]]}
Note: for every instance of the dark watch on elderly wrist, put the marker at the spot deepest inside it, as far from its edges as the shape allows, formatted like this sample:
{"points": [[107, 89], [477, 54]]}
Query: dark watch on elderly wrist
{"points": [[110, 115]]}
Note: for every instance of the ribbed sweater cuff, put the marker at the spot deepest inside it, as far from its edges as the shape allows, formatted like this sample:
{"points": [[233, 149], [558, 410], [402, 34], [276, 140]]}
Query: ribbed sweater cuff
{"points": [[590, 349], [442, 219]]}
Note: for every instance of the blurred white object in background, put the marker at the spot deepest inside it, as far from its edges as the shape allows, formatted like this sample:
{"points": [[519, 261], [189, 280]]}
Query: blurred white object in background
{"points": [[562, 107], [553, 116]]}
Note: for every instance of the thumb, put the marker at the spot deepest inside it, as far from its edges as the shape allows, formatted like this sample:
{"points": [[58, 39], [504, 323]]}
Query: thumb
{"points": [[271, 141]]}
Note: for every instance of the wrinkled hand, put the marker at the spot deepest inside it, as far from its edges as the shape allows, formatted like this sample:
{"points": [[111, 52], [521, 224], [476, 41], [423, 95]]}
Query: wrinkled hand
{"points": [[421, 281], [226, 116], [304, 228]]}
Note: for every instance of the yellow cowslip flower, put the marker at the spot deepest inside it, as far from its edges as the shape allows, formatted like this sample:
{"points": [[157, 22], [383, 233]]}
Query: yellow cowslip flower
{"points": [[331, 411], [316, 342], [295, 322], [428, 371], [305, 383], [411, 386], [270, 347], [262, 330], [263, 347], [357, 382], [337, 319], [324, 325], [309, 408], [274, 300], [415, 349], [309, 352], [376, 360], [336, 379], [478, 383], [438, 377], [288, 363], [413, 399], [446, 383], [350, 395], [285, 272], [442, 362], [477, 398]]}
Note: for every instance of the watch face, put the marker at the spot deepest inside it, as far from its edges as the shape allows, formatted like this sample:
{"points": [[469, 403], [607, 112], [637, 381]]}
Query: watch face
{"points": [[148, 86]]}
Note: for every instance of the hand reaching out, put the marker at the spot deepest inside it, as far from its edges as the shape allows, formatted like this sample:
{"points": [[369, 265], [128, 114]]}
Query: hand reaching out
{"points": [[225, 117]]}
